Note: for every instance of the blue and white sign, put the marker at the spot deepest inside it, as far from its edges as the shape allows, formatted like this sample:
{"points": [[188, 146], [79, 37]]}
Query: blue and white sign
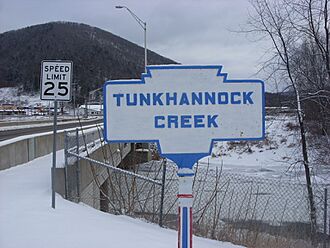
{"points": [[184, 109]]}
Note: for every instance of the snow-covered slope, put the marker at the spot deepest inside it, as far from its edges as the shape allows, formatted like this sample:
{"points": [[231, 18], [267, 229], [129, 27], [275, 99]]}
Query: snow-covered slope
{"points": [[27, 220], [278, 156], [16, 96]]}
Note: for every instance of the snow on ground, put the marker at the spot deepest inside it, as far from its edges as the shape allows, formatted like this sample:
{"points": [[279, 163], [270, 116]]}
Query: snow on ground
{"points": [[23, 137], [15, 95], [275, 157], [22, 119], [27, 220]]}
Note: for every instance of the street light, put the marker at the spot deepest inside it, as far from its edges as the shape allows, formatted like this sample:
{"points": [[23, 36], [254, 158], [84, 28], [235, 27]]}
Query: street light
{"points": [[144, 27]]}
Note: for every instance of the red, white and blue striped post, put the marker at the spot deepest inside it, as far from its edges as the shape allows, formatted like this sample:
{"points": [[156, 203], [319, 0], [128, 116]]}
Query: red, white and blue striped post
{"points": [[185, 197]]}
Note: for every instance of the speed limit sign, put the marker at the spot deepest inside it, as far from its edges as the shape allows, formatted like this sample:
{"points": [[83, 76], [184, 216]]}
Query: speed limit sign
{"points": [[55, 84], [55, 80]]}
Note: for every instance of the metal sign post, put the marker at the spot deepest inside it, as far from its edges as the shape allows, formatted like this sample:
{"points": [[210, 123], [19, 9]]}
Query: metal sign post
{"points": [[55, 84], [54, 153], [184, 109], [185, 198]]}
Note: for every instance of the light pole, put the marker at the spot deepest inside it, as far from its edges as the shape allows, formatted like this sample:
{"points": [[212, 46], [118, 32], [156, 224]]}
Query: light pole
{"points": [[144, 27]]}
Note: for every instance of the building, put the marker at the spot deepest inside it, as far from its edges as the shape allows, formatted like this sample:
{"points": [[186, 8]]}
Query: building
{"points": [[93, 109]]}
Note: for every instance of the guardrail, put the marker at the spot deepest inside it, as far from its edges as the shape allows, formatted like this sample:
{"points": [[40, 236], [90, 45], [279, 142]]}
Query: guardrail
{"points": [[25, 150], [22, 150]]}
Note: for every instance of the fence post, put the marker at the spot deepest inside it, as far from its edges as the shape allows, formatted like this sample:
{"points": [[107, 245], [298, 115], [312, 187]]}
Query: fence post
{"points": [[66, 146], [325, 218], [162, 194], [78, 166]]}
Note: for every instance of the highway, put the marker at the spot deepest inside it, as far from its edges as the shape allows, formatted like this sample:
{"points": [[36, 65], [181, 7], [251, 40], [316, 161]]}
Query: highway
{"points": [[33, 129]]}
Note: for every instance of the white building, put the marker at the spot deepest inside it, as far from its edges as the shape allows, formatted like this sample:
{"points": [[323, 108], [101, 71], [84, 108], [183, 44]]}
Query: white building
{"points": [[92, 109]]}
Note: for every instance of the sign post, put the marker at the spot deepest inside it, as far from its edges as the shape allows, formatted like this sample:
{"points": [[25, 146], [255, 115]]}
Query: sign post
{"points": [[184, 109], [185, 199], [54, 153], [55, 84]]}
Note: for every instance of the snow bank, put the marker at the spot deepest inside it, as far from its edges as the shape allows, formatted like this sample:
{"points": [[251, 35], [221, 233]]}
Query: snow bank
{"points": [[275, 158], [16, 95], [27, 220]]}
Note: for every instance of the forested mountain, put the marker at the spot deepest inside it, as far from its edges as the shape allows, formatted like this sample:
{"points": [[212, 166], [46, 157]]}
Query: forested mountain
{"points": [[97, 55]]}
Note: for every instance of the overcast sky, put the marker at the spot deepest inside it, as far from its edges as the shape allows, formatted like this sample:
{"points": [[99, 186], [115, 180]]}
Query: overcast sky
{"points": [[187, 31]]}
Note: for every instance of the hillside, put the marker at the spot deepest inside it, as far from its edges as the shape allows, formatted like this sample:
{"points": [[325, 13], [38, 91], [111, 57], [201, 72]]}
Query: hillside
{"points": [[97, 55]]}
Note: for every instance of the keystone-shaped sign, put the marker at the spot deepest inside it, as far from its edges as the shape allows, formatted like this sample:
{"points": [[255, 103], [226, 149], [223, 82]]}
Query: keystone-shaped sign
{"points": [[184, 109]]}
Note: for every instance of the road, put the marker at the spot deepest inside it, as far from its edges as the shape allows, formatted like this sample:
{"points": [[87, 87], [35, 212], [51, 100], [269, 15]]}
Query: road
{"points": [[9, 134]]}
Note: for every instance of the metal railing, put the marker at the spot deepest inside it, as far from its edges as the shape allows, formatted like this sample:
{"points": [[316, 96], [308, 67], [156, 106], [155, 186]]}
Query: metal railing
{"points": [[247, 210], [94, 175]]}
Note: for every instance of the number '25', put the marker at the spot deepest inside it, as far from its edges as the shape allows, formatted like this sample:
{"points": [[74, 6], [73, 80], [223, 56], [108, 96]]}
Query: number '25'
{"points": [[62, 89]]}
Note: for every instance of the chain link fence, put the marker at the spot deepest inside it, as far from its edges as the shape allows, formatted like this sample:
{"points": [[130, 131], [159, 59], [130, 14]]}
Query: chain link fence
{"points": [[251, 211], [246, 210]]}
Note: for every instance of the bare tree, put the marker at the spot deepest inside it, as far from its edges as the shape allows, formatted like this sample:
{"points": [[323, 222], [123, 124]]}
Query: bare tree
{"points": [[312, 57], [299, 31]]}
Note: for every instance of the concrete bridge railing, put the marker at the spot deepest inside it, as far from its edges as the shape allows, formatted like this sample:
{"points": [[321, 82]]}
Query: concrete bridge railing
{"points": [[19, 151]]}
